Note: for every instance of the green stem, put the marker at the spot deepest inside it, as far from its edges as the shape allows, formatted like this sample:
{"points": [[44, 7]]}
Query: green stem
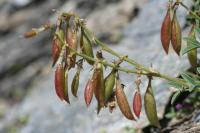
{"points": [[123, 69], [191, 12]]}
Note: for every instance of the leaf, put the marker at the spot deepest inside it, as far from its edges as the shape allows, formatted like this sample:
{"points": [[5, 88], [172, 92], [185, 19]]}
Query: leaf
{"points": [[187, 78], [175, 96], [176, 85], [198, 70], [194, 44]]}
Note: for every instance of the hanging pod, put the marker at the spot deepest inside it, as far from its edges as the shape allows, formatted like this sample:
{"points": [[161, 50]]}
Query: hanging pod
{"points": [[71, 40], [88, 93], [59, 81], [192, 55], [66, 96], [137, 103], [166, 31], [98, 84], [57, 46], [109, 84], [123, 102], [176, 34], [86, 47], [75, 82], [150, 106]]}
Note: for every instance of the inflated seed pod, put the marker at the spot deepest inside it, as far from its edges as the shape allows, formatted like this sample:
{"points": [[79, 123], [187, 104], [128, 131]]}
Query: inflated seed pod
{"points": [[66, 95], [60, 81], [137, 103], [192, 55], [75, 82], [88, 93], [150, 106], [30, 34], [55, 50], [176, 38], [98, 84], [109, 84], [86, 47], [123, 102], [71, 40], [166, 32]]}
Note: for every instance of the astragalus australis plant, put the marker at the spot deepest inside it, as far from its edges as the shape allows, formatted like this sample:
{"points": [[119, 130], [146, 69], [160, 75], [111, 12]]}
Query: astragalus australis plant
{"points": [[73, 39]]}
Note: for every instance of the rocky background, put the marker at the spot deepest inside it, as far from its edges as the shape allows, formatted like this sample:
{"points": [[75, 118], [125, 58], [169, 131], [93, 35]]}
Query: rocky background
{"points": [[28, 103]]}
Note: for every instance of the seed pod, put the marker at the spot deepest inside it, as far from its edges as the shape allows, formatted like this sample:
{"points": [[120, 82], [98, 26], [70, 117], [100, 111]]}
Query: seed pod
{"points": [[66, 97], [86, 47], [56, 49], [109, 84], [88, 94], [30, 34], [150, 106], [166, 32], [71, 40], [123, 102], [59, 81], [192, 55], [75, 83], [176, 34], [98, 84], [137, 103]]}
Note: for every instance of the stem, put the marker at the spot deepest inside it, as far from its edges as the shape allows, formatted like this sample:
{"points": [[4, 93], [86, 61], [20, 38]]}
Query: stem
{"points": [[123, 69], [191, 12]]}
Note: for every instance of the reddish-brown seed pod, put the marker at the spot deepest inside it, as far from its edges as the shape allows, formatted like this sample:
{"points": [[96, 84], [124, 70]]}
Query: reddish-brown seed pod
{"points": [[56, 48], [176, 34], [137, 103], [30, 34], [123, 102], [88, 94], [60, 81], [166, 32], [98, 84], [71, 40]]}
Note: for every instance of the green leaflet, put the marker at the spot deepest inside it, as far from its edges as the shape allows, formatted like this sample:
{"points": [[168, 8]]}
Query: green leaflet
{"points": [[150, 106], [175, 96], [194, 44], [198, 69]]}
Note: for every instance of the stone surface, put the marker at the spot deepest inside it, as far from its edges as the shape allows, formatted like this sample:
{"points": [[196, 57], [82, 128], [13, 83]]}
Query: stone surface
{"points": [[141, 41]]}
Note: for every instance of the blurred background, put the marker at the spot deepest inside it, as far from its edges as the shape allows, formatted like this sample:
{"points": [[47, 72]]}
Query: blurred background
{"points": [[28, 103]]}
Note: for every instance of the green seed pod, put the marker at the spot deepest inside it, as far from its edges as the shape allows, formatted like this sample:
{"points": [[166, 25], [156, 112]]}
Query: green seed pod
{"points": [[109, 84], [123, 102], [166, 32], [86, 47], [192, 55], [75, 83], [98, 84], [176, 34], [66, 97], [150, 106]]}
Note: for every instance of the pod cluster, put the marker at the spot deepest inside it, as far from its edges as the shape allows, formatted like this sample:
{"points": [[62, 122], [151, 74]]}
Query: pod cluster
{"points": [[171, 30]]}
